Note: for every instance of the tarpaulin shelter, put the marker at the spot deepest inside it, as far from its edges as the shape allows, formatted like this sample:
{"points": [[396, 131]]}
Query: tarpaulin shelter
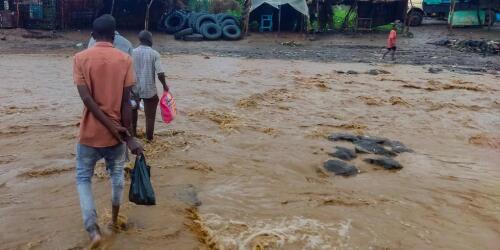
{"points": [[299, 5], [283, 10]]}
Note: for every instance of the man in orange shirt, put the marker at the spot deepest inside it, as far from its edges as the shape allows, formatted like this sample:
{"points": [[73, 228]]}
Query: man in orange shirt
{"points": [[104, 77], [391, 42]]}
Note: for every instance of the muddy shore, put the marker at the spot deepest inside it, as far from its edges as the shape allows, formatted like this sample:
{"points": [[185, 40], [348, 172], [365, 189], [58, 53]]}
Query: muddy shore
{"points": [[250, 142]]}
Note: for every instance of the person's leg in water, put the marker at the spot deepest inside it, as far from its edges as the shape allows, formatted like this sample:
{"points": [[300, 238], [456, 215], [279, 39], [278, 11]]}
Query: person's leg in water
{"points": [[393, 53], [150, 106], [115, 158], [86, 158], [386, 52]]}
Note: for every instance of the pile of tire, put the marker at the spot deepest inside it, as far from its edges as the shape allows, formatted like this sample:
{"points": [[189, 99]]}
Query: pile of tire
{"points": [[198, 26]]}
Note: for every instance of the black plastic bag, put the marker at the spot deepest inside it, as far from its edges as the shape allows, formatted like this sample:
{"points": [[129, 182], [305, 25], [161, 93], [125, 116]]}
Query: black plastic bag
{"points": [[141, 191]]}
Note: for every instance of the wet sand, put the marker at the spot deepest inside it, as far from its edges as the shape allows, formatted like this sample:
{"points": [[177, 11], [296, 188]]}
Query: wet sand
{"points": [[250, 140]]}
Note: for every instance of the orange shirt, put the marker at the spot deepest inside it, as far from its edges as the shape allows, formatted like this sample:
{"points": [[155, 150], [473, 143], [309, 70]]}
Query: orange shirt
{"points": [[105, 71], [391, 41]]}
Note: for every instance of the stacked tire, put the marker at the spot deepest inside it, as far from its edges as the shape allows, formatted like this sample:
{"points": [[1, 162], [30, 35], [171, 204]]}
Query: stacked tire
{"points": [[197, 26]]}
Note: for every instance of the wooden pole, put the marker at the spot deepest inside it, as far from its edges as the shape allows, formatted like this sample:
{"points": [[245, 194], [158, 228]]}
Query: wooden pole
{"points": [[452, 13], [146, 18], [18, 13], [112, 7], [279, 19]]}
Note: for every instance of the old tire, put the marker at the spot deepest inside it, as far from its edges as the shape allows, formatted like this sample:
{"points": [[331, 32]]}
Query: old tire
{"points": [[206, 18], [175, 22], [223, 17], [415, 17], [192, 19], [179, 35], [489, 18], [211, 31], [228, 22], [193, 37], [231, 32]]}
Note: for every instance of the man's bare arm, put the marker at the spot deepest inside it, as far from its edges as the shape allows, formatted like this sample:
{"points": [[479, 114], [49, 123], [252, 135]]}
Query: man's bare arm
{"points": [[92, 106], [161, 77]]}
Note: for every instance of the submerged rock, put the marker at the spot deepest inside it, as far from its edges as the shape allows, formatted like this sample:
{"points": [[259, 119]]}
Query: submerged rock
{"points": [[188, 195], [340, 168], [343, 137], [374, 139], [352, 72], [384, 162], [377, 72], [370, 146], [398, 147], [344, 153]]}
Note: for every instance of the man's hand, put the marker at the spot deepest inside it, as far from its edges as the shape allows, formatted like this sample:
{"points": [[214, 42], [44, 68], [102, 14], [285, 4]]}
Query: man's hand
{"points": [[119, 132], [134, 146], [165, 88]]}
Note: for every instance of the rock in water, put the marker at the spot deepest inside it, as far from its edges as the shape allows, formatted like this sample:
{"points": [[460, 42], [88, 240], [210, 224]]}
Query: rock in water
{"points": [[384, 162], [343, 137], [188, 195], [369, 146], [398, 147], [340, 168], [379, 140], [344, 153]]}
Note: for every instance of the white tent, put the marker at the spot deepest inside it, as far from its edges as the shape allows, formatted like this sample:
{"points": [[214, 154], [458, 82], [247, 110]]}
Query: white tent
{"points": [[299, 5]]}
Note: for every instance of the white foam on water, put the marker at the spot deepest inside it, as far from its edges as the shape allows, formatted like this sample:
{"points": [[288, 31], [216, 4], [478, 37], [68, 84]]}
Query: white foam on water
{"points": [[302, 232]]}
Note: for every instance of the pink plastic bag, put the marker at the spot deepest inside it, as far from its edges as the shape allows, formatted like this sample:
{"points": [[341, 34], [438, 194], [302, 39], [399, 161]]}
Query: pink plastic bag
{"points": [[167, 107]]}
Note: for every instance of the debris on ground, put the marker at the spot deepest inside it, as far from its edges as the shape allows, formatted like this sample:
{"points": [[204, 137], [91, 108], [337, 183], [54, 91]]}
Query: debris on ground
{"points": [[479, 46], [342, 153], [340, 168], [377, 72], [291, 43], [39, 34], [384, 162]]}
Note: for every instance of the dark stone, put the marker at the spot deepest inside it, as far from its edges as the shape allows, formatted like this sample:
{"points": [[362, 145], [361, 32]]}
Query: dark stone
{"points": [[375, 139], [344, 153], [343, 137], [340, 72], [352, 72], [434, 70], [384, 162], [398, 147], [377, 72], [370, 146], [340, 168]]}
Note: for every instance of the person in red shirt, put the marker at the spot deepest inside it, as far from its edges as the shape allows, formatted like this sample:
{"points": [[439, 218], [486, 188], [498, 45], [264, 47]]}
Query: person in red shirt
{"points": [[391, 43]]}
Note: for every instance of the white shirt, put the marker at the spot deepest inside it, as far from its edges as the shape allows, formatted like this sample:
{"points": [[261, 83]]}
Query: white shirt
{"points": [[147, 64]]}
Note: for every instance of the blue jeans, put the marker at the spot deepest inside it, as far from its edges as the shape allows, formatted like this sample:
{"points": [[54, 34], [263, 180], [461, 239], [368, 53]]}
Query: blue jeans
{"points": [[86, 159]]}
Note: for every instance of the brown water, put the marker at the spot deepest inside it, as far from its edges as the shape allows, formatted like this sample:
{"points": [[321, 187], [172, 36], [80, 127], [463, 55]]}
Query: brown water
{"points": [[250, 139]]}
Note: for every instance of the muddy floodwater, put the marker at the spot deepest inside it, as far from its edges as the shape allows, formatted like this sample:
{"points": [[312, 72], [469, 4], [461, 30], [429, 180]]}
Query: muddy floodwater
{"points": [[249, 143]]}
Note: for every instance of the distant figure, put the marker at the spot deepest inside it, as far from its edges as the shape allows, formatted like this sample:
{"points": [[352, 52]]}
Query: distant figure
{"points": [[120, 43], [391, 42], [104, 77], [147, 64]]}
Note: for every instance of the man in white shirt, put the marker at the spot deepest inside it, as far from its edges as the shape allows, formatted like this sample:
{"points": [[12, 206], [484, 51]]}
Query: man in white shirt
{"points": [[147, 64], [120, 43]]}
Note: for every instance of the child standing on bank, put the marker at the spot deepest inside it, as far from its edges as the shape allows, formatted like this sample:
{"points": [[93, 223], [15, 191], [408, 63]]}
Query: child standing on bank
{"points": [[391, 43]]}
